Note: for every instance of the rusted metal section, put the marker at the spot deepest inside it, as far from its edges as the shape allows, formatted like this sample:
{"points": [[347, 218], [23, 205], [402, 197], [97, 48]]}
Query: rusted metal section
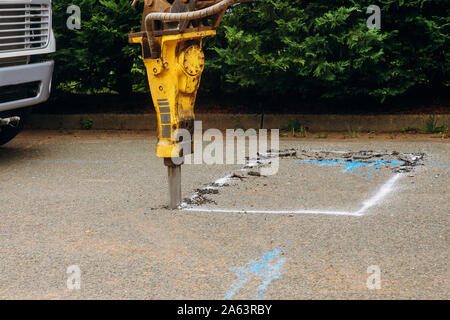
{"points": [[159, 28], [152, 28]]}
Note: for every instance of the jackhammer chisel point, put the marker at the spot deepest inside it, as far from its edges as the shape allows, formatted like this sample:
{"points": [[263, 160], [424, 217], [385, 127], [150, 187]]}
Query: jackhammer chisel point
{"points": [[174, 178]]}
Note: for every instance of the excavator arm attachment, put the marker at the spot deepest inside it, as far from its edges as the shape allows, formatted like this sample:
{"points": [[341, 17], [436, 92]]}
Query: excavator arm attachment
{"points": [[171, 39]]}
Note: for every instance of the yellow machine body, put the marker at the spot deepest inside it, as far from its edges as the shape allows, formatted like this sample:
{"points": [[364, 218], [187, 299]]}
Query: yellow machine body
{"points": [[174, 79]]}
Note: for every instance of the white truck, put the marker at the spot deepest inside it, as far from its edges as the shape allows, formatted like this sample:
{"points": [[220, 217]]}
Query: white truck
{"points": [[26, 37]]}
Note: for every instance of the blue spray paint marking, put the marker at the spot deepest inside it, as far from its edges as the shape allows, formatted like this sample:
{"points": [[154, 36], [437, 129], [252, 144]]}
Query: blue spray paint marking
{"points": [[441, 164], [262, 268], [72, 161], [350, 166]]}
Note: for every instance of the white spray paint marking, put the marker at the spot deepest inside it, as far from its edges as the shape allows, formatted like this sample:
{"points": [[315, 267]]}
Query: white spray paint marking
{"points": [[335, 213], [384, 190], [222, 181], [214, 186], [219, 183], [250, 164]]}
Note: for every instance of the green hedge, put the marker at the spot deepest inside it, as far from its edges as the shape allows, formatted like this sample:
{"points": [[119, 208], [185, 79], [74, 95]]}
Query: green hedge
{"points": [[315, 50], [97, 58]]}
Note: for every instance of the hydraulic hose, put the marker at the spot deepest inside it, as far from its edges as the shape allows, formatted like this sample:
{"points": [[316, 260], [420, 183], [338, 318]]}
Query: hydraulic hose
{"points": [[191, 15], [182, 16]]}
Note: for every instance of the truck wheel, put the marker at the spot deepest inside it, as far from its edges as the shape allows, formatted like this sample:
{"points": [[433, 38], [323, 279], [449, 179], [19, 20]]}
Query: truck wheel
{"points": [[7, 133]]}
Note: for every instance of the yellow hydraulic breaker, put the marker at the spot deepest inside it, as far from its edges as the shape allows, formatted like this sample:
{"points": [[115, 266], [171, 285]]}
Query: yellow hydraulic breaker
{"points": [[171, 39], [174, 79]]}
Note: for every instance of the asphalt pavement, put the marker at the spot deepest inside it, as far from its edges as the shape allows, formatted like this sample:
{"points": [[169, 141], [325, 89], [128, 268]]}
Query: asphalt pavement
{"points": [[316, 230]]}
